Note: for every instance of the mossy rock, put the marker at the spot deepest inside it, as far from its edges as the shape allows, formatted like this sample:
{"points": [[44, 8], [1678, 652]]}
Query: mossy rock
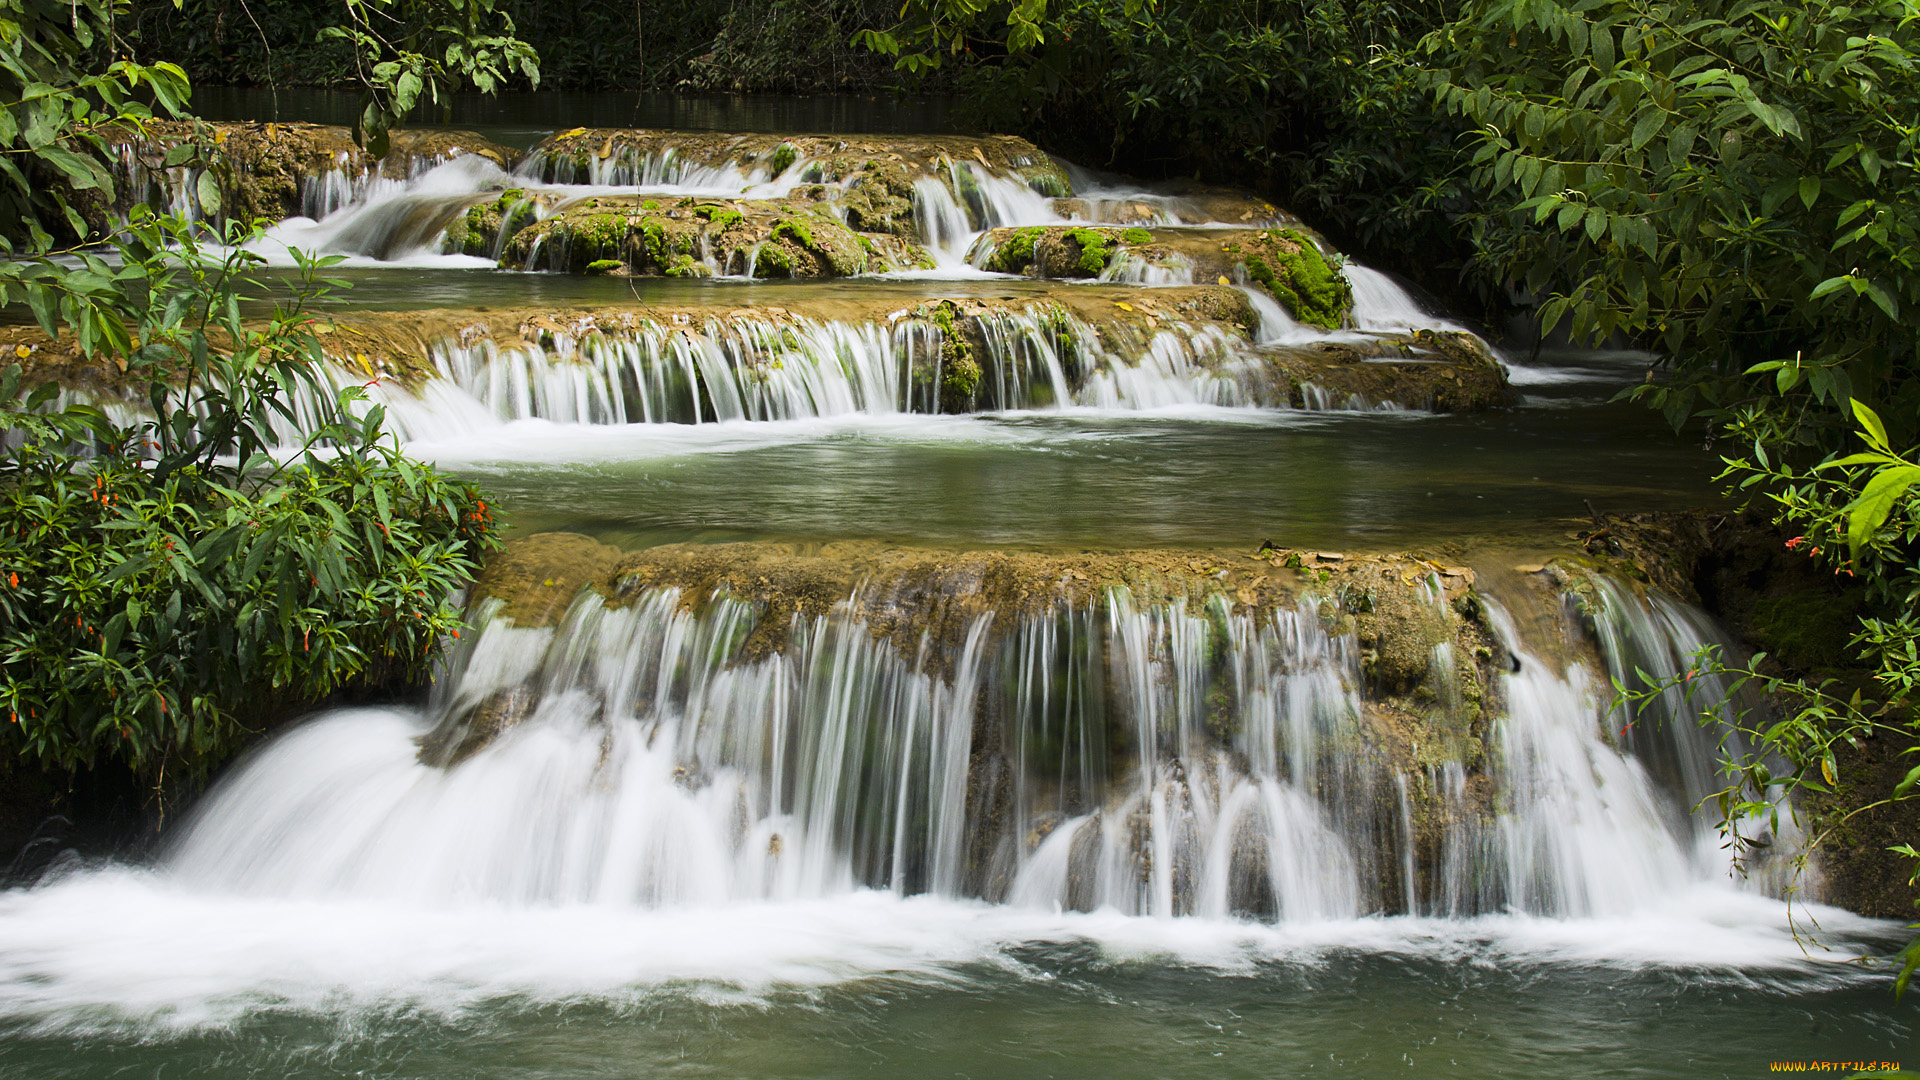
{"points": [[781, 238], [958, 370], [1290, 266], [478, 230], [881, 201], [1059, 251]]}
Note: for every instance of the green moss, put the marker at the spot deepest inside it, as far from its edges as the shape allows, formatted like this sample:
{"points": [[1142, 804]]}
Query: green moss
{"points": [[959, 370], [1137, 236], [1300, 277], [720, 216], [1050, 182], [684, 266], [650, 204], [1095, 250], [1015, 253], [654, 235], [604, 266], [784, 156], [771, 261], [796, 229]]}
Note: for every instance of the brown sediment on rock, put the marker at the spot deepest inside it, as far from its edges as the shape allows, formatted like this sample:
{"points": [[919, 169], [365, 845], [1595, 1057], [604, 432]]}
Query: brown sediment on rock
{"points": [[1445, 371], [892, 161], [265, 164], [537, 578], [1398, 606], [1187, 203]]}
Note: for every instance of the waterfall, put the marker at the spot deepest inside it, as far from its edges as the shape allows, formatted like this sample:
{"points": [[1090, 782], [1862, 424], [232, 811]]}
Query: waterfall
{"points": [[1164, 758], [1382, 305], [656, 768], [761, 368]]}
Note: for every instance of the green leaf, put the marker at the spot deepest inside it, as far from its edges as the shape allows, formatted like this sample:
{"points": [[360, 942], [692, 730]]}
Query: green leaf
{"points": [[1901, 789], [1871, 427], [1830, 286], [208, 190], [1867, 513], [1647, 127]]}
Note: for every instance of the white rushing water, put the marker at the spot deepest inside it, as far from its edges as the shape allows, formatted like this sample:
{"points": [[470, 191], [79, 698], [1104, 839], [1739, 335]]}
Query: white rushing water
{"points": [[761, 369], [657, 809]]}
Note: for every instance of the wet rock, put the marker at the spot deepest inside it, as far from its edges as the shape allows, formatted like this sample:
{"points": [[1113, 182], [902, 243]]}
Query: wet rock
{"points": [[264, 168], [537, 577], [462, 736], [695, 238]]}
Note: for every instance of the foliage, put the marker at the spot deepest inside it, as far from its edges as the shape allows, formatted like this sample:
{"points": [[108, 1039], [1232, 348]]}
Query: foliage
{"points": [[1728, 180], [172, 581], [1858, 515], [167, 580], [56, 117], [628, 45], [409, 51], [1724, 178]]}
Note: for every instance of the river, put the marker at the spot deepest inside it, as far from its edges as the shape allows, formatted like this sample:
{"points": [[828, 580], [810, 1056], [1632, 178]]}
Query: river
{"points": [[1004, 749]]}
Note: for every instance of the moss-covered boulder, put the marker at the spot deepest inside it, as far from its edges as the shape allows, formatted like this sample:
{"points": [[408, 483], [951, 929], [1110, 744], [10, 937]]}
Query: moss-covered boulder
{"points": [[880, 200], [480, 228], [1057, 251], [1288, 264], [693, 237]]}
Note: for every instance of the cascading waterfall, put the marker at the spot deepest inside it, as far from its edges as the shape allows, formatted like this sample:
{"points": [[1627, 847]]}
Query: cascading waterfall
{"points": [[762, 369], [1166, 759]]}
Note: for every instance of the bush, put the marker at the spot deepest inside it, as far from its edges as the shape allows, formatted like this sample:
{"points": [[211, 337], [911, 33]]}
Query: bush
{"points": [[167, 585]]}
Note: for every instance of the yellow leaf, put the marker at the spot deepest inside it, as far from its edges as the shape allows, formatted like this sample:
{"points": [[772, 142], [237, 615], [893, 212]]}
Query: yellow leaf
{"points": [[1224, 281], [1826, 770], [571, 134], [1123, 305], [22, 351]]}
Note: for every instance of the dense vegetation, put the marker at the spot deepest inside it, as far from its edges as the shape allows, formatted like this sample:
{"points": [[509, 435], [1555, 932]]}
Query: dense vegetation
{"points": [[749, 45], [167, 583]]}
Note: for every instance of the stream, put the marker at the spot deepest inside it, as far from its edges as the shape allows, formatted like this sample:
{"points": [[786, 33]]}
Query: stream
{"points": [[1002, 749]]}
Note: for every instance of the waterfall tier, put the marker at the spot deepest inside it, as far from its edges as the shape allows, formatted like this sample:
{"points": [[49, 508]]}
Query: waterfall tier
{"points": [[1084, 733]]}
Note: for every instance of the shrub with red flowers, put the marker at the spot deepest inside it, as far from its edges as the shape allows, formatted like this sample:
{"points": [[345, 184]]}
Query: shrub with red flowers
{"points": [[168, 584]]}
